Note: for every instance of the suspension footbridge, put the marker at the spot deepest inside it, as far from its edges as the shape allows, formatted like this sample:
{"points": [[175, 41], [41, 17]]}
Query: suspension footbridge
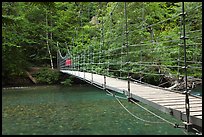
{"points": [[164, 100], [122, 67]]}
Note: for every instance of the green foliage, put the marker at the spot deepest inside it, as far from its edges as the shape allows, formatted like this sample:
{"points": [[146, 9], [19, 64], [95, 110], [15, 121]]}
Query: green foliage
{"points": [[152, 79], [47, 76], [67, 82], [153, 38]]}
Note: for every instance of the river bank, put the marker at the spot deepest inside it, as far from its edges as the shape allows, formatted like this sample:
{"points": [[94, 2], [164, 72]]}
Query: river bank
{"points": [[23, 81]]}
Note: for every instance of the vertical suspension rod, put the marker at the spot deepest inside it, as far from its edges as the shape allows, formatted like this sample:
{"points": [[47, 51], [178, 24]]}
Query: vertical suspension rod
{"points": [[142, 42], [102, 33], [99, 53], [75, 61], [111, 20], [128, 59], [72, 65], [92, 63], [81, 24], [78, 55], [187, 105], [58, 61]]}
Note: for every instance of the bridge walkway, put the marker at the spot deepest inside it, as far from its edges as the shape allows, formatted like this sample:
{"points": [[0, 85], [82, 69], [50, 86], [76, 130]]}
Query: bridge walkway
{"points": [[171, 102]]}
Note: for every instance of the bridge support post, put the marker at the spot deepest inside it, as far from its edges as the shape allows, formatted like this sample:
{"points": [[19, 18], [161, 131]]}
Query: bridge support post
{"points": [[126, 43], [187, 104], [129, 94], [92, 78], [104, 87]]}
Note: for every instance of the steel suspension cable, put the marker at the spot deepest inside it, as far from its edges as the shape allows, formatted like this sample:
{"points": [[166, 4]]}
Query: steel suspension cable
{"points": [[82, 33], [144, 120], [173, 124], [103, 52]]}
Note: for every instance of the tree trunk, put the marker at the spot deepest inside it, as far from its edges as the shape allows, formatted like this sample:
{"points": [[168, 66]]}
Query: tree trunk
{"points": [[51, 39], [48, 47]]}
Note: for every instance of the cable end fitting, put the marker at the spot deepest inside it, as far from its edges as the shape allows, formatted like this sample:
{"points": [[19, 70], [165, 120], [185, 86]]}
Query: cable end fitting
{"points": [[176, 125]]}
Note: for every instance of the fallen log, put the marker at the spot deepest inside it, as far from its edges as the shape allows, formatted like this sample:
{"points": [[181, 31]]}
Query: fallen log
{"points": [[31, 77], [174, 86]]}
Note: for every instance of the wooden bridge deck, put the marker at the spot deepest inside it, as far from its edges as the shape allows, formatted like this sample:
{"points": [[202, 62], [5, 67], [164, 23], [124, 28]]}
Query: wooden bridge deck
{"points": [[165, 100]]}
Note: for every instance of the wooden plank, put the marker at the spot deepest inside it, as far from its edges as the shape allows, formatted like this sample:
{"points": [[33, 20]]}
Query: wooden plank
{"points": [[198, 110], [191, 106], [161, 97], [176, 103], [191, 109], [199, 113], [166, 98], [160, 94], [200, 117], [173, 100], [155, 96], [154, 93]]}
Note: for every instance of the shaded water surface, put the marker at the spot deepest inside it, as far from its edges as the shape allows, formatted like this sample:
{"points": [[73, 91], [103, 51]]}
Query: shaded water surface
{"points": [[197, 91], [51, 110]]}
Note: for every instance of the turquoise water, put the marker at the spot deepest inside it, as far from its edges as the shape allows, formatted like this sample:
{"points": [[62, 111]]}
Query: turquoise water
{"points": [[197, 91], [77, 110]]}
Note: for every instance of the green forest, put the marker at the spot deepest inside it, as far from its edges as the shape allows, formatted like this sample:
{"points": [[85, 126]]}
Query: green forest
{"points": [[144, 40]]}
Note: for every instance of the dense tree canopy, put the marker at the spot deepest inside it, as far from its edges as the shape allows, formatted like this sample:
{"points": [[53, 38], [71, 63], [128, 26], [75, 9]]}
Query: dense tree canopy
{"points": [[31, 30]]}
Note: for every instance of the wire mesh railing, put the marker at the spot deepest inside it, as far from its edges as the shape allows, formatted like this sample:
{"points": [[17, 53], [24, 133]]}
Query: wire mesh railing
{"points": [[155, 51]]}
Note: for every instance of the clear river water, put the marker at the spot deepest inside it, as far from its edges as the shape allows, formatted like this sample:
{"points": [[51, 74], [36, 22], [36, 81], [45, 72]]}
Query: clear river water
{"points": [[78, 110]]}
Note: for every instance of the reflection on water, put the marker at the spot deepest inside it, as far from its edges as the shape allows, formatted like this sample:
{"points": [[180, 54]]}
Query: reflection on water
{"points": [[78, 110]]}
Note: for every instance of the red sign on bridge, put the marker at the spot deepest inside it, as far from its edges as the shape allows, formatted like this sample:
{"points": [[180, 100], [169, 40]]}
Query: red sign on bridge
{"points": [[68, 62]]}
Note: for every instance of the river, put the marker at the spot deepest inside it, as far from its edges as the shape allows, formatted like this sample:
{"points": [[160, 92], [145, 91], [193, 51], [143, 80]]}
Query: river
{"points": [[78, 110]]}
